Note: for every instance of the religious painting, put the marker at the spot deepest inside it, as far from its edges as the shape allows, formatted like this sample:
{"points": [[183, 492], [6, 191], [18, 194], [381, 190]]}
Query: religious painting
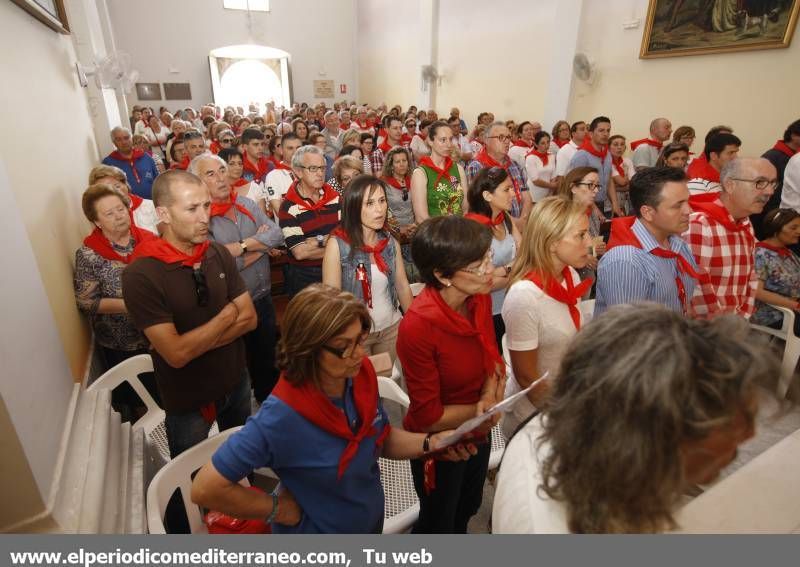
{"points": [[697, 27]]}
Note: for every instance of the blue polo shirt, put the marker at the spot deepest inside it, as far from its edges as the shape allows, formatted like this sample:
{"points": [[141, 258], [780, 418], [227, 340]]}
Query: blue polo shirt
{"points": [[306, 459], [627, 274], [142, 181]]}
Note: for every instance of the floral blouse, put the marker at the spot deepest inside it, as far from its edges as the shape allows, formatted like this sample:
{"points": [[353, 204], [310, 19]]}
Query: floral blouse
{"points": [[780, 274], [97, 278]]}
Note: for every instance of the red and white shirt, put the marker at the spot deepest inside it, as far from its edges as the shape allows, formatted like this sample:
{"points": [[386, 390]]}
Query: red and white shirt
{"points": [[728, 258]]}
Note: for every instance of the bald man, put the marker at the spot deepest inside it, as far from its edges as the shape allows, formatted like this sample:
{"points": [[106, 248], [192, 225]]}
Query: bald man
{"points": [[647, 150]]}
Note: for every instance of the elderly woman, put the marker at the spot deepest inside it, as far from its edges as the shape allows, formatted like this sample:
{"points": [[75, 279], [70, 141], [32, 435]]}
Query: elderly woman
{"points": [[623, 436], [143, 210], [321, 430], [345, 169], [540, 309], [98, 272], [451, 364], [364, 259]]}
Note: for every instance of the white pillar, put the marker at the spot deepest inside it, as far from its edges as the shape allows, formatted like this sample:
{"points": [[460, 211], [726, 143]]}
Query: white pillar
{"points": [[428, 50], [559, 81]]}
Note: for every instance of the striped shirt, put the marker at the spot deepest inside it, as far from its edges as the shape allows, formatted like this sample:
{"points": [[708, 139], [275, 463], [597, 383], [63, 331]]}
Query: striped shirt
{"points": [[299, 223], [627, 274]]}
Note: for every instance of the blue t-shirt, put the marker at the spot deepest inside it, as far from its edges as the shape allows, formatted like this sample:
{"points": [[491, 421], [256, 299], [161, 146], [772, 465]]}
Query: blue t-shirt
{"points": [[306, 459], [141, 181]]}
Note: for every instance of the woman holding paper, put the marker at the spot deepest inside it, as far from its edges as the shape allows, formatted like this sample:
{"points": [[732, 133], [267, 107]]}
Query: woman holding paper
{"points": [[540, 311], [321, 430], [451, 363]]}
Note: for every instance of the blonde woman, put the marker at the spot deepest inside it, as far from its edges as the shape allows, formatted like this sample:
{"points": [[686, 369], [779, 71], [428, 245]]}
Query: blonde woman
{"points": [[540, 310]]}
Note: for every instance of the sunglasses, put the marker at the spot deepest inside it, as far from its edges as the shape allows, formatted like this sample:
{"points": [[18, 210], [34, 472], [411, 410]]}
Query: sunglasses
{"points": [[226, 141], [200, 287]]}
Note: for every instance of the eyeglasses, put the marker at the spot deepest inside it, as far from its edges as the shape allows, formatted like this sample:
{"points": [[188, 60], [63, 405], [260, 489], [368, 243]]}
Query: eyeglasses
{"points": [[760, 183], [501, 138], [591, 186], [313, 168], [349, 350], [484, 268], [200, 287]]}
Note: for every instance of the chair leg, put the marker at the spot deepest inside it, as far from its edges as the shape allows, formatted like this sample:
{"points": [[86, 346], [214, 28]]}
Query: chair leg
{"points": [[788, 366]]}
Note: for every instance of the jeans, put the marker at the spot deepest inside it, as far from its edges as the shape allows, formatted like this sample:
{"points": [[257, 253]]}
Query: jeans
{"points": [[184, 431], [260, 344], [299, 277]]}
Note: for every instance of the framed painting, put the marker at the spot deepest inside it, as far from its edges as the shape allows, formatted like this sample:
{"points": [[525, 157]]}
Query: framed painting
{"points": [[50, 12], [697, 27]]}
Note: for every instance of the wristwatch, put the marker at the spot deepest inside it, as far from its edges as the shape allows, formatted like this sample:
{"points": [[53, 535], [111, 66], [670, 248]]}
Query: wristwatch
{"points": [[320, 241], [244, 247]]}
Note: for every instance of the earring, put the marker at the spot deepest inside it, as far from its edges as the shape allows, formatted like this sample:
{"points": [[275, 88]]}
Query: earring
{"points": [[449, 284]]}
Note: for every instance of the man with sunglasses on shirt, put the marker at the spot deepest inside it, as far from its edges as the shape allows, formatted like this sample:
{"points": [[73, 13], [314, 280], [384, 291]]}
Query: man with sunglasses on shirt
{"points": [[186, 295]]}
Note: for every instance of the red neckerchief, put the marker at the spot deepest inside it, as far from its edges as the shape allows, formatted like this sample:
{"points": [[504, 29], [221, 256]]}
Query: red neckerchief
{"points": [[561, 143], [716, 211], [136, 201], [385, 147], [427, 161], [781, 251], [259, 170], [313, 405], [160, 249], [520, 143], [135, 154], [781, 146], [220, 209], [617, 163], [544, 157], [486, 221], [648, 141], [363, 124], [488, 161], [281, 165], [376, 250], [587, 145], [100, 244], [239, 182], [423, 135], [700, 168], [214, 148], [405, 186], [328, 195], [622, 235], [183, 164], [569, 296], [405, 140]]}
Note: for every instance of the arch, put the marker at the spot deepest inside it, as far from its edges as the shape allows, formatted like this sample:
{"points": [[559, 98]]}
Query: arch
{"points": [[245, 74]]}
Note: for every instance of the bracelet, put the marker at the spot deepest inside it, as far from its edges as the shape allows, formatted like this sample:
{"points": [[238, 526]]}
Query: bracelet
{"points": [[274, 513], [426, 443]]}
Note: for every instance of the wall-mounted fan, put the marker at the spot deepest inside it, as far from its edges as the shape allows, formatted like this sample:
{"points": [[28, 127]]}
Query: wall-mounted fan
{"points": [[585, 69], [112, 72]]}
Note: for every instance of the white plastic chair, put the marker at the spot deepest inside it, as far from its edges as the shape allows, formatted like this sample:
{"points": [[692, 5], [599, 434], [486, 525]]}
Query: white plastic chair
{"points": [[400, 499], [791, 349]]}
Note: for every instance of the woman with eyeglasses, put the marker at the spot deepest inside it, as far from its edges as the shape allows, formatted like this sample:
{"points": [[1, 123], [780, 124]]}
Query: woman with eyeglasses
{"points": [[490, 196], [363, 258], [321, 430], [451, 364], [540, 310], [397, 175], [437, 185], [581, 185], [345, 169]]}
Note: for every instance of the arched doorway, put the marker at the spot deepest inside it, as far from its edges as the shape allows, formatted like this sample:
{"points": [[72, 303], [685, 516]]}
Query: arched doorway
{"points": [[250, 74]]}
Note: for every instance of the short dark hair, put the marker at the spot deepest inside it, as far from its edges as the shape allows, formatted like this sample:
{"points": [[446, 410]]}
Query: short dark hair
{"points": [[447, 244], [645, 186], [487, 179], [775, 220], [522, 124], [792, 129], [178, 140], [574, 127], [598, 120], [275, 140], [227, 153], [541, 134], [250, 134], [348, 149], [366, 136], [717, 143], [289, 136], [670, 149], [714, 130], [162, 186], [353, 202], [389, 118]]}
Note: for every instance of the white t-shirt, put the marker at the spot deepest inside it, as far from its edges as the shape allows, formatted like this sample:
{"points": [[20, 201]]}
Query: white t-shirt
{"points": [[145, 216], [383, 313], [256, 192], [517, 154], [535, 169], [419, 148], [277, 183], [564, 156], [645, 155], [519, 506], [534, 320]]}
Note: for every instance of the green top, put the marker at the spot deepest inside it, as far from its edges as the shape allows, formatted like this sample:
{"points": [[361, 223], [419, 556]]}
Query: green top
{"points": [[446, 197]]}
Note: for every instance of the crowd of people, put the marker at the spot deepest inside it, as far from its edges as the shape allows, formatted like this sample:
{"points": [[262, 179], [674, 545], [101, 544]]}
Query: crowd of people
{"points": [[507, 228]]}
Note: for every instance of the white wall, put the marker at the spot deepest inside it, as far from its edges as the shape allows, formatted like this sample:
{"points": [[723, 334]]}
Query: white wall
{"points": [[179, 34], [755, 92]]}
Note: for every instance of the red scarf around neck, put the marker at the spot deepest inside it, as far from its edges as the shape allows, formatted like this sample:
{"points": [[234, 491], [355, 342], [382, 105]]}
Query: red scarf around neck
{"points": [[700, 168], [430, 306], [405, 186], [782, 251], [100, 244], [376, 250], [782, 147], [617, 163], [569, 296], [622, 235], [560, 143], [135, 155], [587, 145], [386, 148], [183, 164], [215, 147], [647, 141], [544, 157], [316, 407], [258, 170], [239, 182], [486, 221], [716, 211], [427, 161], [520, 143], [328, 195], [488, 161], [281, 165], [136, 201], [220, 209], [160, 249]]}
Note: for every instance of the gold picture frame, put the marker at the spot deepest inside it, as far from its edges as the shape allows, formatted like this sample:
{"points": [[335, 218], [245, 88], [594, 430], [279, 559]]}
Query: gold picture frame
{"points": [[697, 27], [50, 12]]}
